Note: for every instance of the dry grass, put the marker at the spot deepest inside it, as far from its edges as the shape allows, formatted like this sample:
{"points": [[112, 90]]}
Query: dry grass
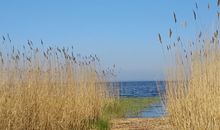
{"points": [[49, 89], [192, 97], [193, 88]]}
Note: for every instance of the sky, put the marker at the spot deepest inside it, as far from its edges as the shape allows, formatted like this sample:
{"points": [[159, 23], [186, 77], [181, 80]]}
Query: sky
{"points": [[120, 32]]}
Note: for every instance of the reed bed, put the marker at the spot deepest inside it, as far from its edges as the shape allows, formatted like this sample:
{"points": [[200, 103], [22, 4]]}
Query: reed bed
{"points": [[192, 97], [49, 88]]}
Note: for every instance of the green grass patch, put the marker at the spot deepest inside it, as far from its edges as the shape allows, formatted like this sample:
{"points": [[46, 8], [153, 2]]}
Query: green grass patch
{"points": [[102, 124], [133, 106], [122, 108]]}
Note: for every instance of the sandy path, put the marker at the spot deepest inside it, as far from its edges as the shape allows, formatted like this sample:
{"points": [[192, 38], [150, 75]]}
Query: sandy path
{"points": [[139, 124]]}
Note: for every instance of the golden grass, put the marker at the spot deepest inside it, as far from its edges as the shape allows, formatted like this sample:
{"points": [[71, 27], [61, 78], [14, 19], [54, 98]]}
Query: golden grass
{"points": [[193, 88], [49, 89]]}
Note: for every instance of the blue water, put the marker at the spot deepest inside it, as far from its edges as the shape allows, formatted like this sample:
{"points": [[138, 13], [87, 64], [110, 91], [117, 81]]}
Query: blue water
{"points": [[141, 88], [155, 110], [144, 89]]}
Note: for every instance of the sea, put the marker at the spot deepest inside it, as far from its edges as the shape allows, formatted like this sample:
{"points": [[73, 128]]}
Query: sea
{"points": [[144, 89]]}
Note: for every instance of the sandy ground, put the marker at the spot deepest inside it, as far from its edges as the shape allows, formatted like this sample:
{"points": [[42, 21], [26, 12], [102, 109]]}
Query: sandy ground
{"points": [[139, 124]]}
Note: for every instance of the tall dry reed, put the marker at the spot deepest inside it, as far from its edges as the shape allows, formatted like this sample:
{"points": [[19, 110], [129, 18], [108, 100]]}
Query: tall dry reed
{"points": [[192, 96], [193, 99], [45, 89]]}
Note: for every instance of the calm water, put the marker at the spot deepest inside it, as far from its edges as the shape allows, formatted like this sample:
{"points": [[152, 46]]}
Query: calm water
{"points": [[141, 88], [144, 89]]}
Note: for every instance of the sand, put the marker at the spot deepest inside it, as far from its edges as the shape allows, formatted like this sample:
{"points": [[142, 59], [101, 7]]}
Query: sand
{"points": [[139, 124]]}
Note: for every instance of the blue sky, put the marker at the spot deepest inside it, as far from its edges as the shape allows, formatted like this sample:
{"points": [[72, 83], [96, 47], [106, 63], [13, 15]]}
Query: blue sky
{"points": [[120, 32]]}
